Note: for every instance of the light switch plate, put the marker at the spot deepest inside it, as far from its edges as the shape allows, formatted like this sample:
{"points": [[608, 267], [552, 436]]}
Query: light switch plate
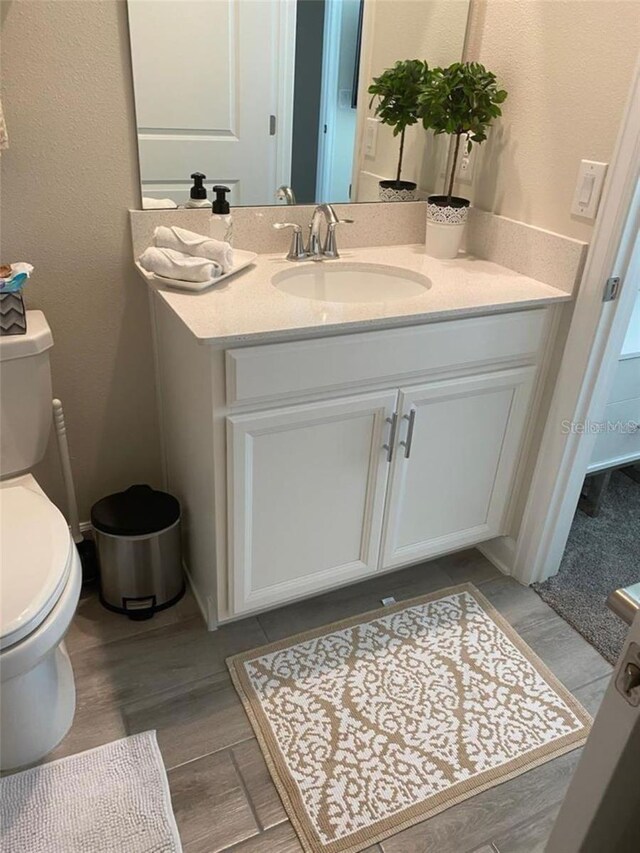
{"points": [[371, 137], [588, 188]]}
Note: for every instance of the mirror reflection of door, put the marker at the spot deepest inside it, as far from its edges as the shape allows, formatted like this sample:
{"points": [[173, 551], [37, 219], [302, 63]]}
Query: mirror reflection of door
{"points": [[214, 93]]}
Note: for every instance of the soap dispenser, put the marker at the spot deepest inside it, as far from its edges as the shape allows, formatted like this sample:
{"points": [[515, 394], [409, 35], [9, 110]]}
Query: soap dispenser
{"points": [[221, 227], [198, 194]]}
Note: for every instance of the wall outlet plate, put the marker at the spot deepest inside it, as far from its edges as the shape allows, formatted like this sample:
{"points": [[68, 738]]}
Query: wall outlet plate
{"points": [[466, 161]]}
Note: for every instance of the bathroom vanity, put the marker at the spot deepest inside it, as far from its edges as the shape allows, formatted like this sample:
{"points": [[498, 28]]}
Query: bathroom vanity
{"points": [[314, 443]]}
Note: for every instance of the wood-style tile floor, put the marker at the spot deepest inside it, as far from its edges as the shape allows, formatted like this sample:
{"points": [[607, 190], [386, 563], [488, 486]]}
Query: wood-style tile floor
{"points": [[169, 674]]}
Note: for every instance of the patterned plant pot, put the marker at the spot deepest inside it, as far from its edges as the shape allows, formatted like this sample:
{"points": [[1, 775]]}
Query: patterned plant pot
{"points": [[13, 317], [397, 191], [445, 225]]}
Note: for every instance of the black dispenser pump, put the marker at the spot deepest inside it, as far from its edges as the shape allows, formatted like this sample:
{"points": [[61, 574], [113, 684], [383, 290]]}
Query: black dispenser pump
{"points": [[220, 204], [198, 190]]}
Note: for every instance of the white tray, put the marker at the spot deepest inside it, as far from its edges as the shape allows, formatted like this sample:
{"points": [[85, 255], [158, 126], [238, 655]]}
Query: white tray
{"points": [[241, 257]]}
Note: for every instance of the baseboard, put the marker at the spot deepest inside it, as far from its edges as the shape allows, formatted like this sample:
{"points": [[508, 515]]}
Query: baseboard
{"points": [[501, 552], [209, 617]]}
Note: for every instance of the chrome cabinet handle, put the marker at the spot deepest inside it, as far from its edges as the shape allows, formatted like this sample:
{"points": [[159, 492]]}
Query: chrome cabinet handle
{"points": [[411, 417], [393, 420]]}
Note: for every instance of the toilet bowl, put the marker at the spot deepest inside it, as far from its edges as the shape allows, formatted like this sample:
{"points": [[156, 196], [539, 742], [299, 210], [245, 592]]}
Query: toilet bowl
{"points": [[40, 580]]}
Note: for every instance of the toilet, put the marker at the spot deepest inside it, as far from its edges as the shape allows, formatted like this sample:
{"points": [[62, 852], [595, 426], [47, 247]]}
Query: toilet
{"points": [[40, 573]]}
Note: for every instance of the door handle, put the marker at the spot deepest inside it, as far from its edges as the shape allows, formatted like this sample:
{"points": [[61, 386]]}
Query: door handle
{"points": [[627, 675], [393, 420], [411, 417]]}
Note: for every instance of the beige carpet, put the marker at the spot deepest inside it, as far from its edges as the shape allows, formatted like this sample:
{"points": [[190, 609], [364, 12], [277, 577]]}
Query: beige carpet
{"points": [[375, 723]]}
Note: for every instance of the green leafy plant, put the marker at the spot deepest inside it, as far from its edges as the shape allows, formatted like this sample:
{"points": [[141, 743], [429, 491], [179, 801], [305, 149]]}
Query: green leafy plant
{"points": [[397, 90], [461, 100]]}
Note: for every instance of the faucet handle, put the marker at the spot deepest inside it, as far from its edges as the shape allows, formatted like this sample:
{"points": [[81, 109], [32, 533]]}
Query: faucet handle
{"points": [[296, 250], [330, 246]]}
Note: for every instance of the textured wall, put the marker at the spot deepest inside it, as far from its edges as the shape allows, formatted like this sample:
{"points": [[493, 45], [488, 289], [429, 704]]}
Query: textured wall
{"points": [[567, 65], [67, 181]]}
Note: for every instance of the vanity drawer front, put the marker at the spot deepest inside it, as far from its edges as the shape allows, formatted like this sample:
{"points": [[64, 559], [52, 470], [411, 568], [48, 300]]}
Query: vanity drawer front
{"points": [[273, 371]]}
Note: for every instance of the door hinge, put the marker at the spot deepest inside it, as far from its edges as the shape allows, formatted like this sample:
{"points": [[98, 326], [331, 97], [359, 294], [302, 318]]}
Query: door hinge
{"points": [[611, 288]]}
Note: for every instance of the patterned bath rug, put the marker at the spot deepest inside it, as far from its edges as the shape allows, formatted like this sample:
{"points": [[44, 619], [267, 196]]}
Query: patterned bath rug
{"points": [[375, 723], [112, 798]]}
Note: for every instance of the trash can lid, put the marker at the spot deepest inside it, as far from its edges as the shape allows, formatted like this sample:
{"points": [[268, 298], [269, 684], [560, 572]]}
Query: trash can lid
{"points": [[137, 511]]}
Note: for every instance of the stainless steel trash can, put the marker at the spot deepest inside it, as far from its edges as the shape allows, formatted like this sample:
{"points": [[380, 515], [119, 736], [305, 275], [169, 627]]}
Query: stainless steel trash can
{"points": [[138, 545]]}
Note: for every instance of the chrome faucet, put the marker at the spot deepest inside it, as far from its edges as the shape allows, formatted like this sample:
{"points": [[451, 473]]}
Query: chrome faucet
{"points": [[286, 194], [326, 212], [315, 249]]}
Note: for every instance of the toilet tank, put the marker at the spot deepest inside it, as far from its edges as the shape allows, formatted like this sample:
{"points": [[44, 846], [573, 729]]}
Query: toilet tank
{"points": [[25, 396]]}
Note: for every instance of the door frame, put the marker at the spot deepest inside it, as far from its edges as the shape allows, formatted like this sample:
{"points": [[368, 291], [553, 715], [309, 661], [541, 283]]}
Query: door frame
{"points": [[328, 105], [287, 16], [594, 342]]}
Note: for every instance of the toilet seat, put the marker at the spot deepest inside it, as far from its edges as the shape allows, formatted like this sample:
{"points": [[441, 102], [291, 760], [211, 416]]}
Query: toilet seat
{"points": [[36, 555]]}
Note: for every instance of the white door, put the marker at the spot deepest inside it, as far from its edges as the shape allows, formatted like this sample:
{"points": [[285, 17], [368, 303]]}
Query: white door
{"points": [[454, 463], [214, 93], [601, 808], [307, 486]]}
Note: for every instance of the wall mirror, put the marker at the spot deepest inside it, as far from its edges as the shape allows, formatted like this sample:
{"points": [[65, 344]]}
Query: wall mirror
{"points": [[263, 94]]}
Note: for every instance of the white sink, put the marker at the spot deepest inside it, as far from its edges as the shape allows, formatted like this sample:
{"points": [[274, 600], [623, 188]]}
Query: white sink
{"points": [[334, 281]]}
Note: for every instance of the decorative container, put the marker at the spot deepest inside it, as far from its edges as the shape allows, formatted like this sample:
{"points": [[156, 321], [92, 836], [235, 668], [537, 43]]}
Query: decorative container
{"points": [[13, 317], [445, 225], [397, 191]]}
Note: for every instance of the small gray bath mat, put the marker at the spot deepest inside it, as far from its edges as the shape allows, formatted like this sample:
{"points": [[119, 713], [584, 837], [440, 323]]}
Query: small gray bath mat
{"points": [[113, 798]]}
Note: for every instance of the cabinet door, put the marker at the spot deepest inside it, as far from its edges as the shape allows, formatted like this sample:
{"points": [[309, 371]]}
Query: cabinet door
{"points": [[455, 455], [307, 486]]}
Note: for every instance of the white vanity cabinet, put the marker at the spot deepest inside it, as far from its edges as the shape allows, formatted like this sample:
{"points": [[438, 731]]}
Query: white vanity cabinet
{"points": [[458, 445], [307, 488], [314, 489], [308, 464]]}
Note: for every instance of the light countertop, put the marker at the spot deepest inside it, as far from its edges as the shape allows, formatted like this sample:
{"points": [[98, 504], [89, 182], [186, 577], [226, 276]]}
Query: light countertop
{"points": [[248, 308]]}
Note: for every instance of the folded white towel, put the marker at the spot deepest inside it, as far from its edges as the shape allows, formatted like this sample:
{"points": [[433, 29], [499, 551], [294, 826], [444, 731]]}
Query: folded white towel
{"points": [[149, 203], [198, 245], [172, 264]]}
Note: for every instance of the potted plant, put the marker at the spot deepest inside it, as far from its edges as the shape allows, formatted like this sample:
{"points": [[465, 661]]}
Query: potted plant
{"points": [[397, 90], [462, 101]]}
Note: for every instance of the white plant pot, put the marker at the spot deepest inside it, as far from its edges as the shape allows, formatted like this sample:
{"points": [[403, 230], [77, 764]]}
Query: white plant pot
{"points": [[445, 229], [394, 191]]}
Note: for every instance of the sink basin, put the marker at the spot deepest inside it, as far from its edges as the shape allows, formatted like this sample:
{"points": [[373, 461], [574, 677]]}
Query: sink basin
{"points": [[331, 281]]}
